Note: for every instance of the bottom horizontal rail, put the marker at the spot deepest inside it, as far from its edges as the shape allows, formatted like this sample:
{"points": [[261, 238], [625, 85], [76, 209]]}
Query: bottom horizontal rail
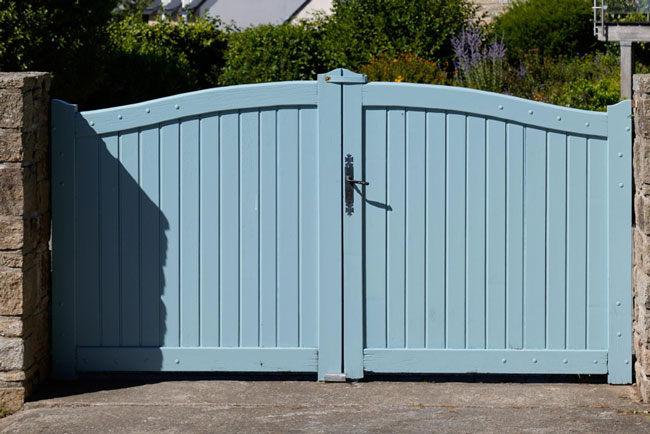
{"points": [[485, 361], [203, 359]]}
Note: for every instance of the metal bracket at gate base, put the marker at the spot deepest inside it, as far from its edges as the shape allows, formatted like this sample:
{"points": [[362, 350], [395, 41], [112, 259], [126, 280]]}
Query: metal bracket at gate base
{"points": [[349, 184]]}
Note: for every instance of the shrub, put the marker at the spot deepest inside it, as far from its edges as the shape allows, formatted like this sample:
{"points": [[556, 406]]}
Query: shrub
{"points": [[553, 27], [273, 53], [142, 61], [478, 64], [361, 30], [590, 82], [404, 67]]}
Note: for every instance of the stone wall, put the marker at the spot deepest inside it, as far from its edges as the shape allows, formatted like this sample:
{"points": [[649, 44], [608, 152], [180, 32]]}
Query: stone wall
{"points": [[641, 276], [24, 235]]}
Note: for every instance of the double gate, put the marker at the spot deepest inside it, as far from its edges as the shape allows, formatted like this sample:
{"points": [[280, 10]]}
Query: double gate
{"points": [[340, 226]]}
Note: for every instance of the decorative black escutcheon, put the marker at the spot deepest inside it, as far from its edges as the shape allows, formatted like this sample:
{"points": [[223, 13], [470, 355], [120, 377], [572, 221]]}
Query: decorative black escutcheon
{"points": [[349, 184]]}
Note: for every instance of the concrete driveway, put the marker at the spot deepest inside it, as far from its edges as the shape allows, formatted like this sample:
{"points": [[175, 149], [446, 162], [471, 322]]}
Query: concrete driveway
{"points": [[230, 406]]}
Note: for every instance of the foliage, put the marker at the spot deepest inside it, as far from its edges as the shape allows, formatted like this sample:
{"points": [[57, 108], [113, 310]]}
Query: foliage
{"points": [[404, 67], [553, 27], [143, 61], [590, 82], [273, 53], [361, 30], [478, 64], [130, 8], [40, 34]]}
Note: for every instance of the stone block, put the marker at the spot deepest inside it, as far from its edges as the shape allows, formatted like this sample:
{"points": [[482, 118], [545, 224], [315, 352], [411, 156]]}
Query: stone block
{"points": [[25, 80], [11, 292], [642, 116], [11, 145], [11, 189], [11, 259], [11, 233], [11, 326], [11, 108], [12, 351], [12, 376], [12, 398], [642, 382], [642, 213]]}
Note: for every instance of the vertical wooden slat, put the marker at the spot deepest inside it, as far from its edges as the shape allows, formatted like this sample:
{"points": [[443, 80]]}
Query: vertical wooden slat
{"points": [[129, 239], [556, 241], [63, 234], [435, 228], [287, 211], [229, 229], [377, 208], [395, 247], [455, 270], [619, 160], [353, 237], [576, 243], [109, 240], [535, 239], [268, 240], [308, 228], [249, 233], [330, 194], [86, 251], [496, 235], [514, 236], [475, 267], [190, 233], [150, 236], [415, 230], [597, 245], [209, 230], [170, 232]]}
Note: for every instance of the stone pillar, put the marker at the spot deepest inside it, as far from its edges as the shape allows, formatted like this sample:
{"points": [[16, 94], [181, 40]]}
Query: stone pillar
{"points": [[24, 235], [641, 272]]}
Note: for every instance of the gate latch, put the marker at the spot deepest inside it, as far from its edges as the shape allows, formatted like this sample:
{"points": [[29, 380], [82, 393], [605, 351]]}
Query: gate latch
{"points": [[349, 184]]}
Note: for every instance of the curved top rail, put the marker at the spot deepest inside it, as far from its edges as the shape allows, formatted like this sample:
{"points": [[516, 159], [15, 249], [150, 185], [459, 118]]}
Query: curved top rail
{"points": [[241, 97], [494, 105]]}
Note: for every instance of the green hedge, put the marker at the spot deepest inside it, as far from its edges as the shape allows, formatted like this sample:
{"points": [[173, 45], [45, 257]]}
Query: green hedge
{"points": [[554, 27], [361, 30], [273, 53]]}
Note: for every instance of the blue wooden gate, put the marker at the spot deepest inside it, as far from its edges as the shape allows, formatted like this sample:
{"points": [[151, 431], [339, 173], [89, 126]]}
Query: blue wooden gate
{"points": [[216, 231]]}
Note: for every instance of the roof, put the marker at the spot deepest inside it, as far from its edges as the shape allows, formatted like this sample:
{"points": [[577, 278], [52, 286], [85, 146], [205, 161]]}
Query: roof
{"points": [[243, 12]]}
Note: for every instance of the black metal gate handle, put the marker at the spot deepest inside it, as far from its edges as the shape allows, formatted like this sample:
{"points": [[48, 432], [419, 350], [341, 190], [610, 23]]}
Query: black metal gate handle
{"points": [[355, 181]]}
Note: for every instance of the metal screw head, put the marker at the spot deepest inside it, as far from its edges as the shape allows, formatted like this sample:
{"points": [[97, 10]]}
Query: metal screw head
{"points": [[148, 110], [619, 334], [534, 360], [177, 361], [177, 106], [565, 361], [119, 116], [500, 107], [328, 78], [503, 360], [620, 185], [627, 128], [595, 362], [618, 303], [627, 362], [559, 118], [530, 112], [587, 124], [620, 155], [92, 124]]}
